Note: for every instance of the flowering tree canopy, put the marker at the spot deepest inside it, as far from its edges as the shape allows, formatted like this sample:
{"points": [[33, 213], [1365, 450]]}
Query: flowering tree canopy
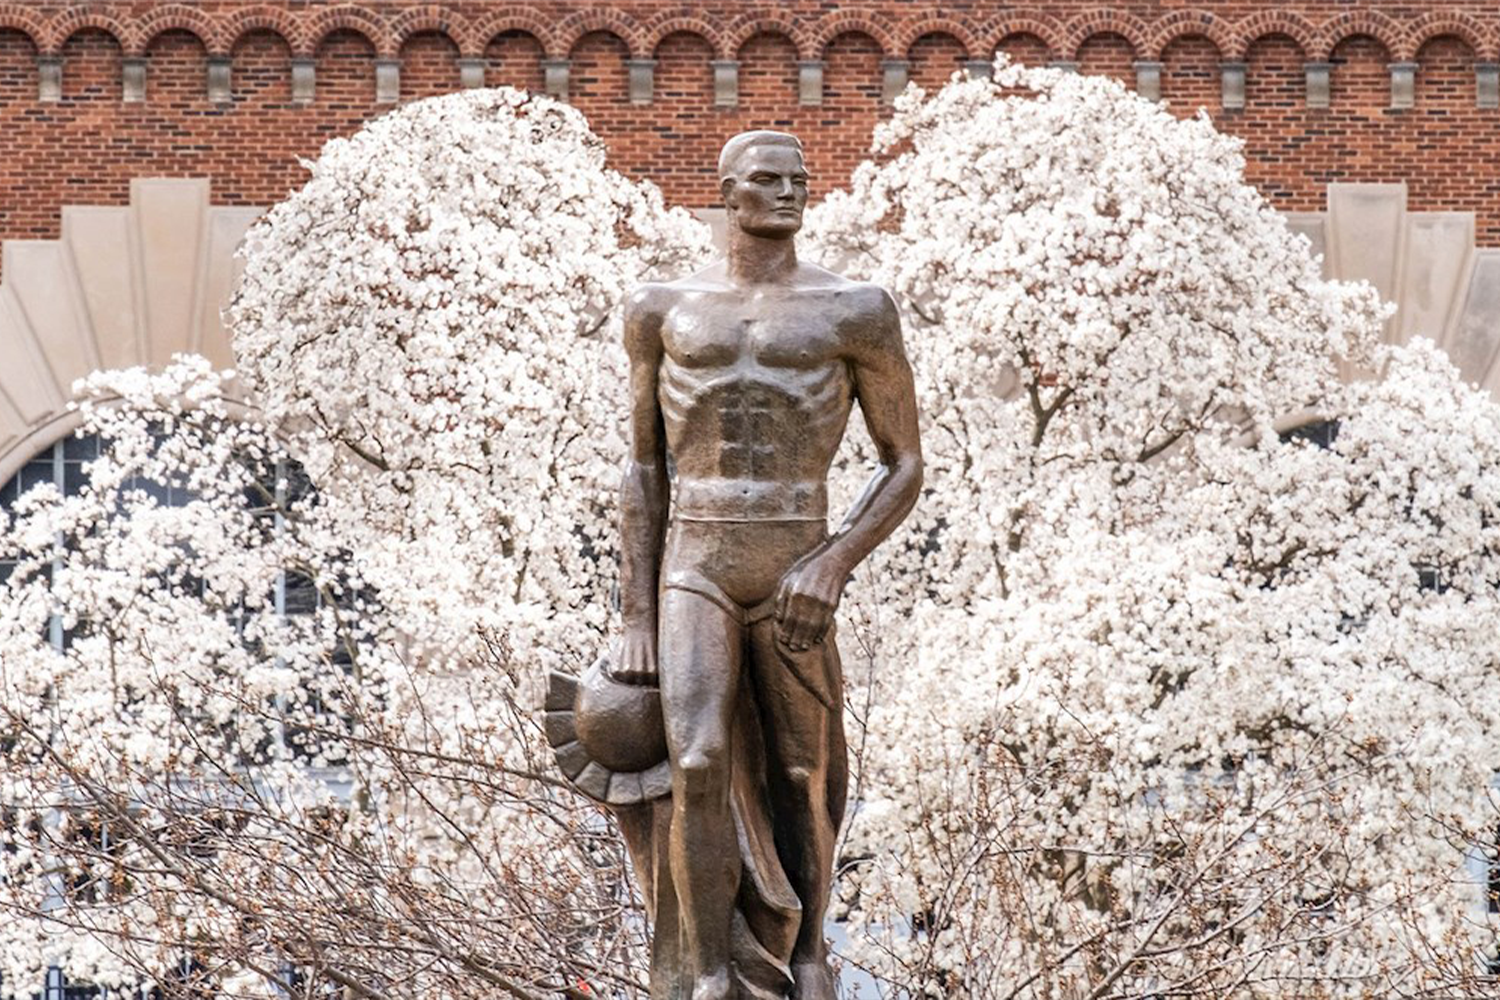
{"points": [[1180, 706], [428, 320], [1147, 699], [265, 727]]}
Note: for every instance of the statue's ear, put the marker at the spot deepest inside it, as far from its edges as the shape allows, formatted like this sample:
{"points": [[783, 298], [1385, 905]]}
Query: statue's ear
{"points": [[725, 187]]}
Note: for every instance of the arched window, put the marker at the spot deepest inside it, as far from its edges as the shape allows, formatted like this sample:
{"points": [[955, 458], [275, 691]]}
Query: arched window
{"points": [[63, 465]]}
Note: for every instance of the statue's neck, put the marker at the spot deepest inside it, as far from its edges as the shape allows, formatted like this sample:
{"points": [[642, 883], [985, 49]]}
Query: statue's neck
{"points": [[760, 260]]}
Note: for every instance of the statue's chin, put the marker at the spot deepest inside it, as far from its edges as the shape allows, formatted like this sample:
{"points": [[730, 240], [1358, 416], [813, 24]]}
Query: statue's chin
{"points": [[772, 228]]}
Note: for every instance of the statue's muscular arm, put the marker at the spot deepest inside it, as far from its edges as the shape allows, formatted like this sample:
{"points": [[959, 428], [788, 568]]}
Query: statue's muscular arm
{"points": [[644, 490], [810, 592]]}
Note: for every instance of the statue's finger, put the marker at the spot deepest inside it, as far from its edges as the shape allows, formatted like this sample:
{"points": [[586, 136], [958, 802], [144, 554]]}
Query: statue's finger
{"points": [[783, 598], [802, 633], [786, 626], [787, 632]]}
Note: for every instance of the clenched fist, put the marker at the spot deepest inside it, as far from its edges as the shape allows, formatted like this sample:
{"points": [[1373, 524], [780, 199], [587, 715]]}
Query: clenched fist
{"points": [[636, 663], [806, 601]]}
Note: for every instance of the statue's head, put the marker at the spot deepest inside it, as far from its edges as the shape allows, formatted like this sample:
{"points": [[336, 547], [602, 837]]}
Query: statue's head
{"points": [[764, 183]]}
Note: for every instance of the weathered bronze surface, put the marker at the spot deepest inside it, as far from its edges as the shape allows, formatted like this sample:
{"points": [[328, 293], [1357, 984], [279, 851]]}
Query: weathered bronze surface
{"points": [[742, 378]]}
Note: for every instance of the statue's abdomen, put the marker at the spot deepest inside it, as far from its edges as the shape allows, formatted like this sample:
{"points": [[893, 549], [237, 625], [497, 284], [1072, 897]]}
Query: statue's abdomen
{"points": [[752, 436]]}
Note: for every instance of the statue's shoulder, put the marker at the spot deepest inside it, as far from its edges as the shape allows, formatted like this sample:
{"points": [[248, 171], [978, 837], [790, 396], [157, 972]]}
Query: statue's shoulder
{"points": [[656, 297], [649, 299], [859, 297]]}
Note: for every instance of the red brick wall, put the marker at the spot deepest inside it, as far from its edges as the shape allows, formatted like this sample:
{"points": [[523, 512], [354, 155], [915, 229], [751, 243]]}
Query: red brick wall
{"points": [[86, 148]]}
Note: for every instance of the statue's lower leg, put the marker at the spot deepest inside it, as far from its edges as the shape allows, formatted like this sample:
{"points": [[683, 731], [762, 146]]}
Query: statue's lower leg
{"points": [[806, 824], [706, 868]]}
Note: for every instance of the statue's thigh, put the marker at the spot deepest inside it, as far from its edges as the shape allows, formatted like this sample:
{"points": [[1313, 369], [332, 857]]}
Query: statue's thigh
{"points": [[791, 688], [700, 652]]}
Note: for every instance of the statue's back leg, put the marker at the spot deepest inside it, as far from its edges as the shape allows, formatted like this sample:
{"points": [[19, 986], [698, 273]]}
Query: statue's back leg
{"points": [[800, 696]]}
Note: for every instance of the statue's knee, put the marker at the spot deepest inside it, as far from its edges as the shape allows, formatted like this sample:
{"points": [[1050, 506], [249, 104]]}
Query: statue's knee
{"points": [[702, 774], [805, 780]]}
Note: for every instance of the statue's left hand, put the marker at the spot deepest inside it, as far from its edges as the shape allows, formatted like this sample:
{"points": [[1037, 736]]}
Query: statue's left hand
{"points": [[806, 600]]}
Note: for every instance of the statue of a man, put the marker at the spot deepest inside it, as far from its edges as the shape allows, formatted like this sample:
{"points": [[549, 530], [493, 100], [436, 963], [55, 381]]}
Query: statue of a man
{"points": [[742, 378]]}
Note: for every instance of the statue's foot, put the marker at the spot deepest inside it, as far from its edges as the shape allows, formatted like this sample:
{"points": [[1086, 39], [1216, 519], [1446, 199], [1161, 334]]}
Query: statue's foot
{"points": [[813, 980], [714, 986]]}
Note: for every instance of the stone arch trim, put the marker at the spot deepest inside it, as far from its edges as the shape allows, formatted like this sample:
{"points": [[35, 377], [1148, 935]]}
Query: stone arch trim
{"points": [[54, 428], [482, 31], [347, 18], [1378, 26], [176, 17], [1186, 24], [66, 23], [62, 423], [681, 22], [1277, 22], [1480, 37], [432, 18], [747, 26], [1106, 22], [842, 22], [27, 22], [616, 22], [1038, 25], [909, 32], [250, 19]]}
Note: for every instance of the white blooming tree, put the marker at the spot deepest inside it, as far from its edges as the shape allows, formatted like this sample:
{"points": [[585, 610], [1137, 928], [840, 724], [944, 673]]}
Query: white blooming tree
{"points": [[267, 682], [1147, 700], [429, 322], [1172, 705]]}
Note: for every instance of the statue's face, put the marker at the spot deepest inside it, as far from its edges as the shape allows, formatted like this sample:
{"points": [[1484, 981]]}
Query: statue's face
{"points": [[768, 191]]}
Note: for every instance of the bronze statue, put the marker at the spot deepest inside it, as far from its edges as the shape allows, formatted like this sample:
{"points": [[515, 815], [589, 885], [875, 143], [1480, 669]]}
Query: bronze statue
{"points": [[742, 377]]}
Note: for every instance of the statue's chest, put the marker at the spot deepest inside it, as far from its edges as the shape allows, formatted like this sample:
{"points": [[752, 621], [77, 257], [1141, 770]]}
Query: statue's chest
{"points": [[782, 334]]}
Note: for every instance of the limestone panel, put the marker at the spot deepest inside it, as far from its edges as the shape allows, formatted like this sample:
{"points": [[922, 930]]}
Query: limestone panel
{"points": [[40, 275], [12, 426], [1365, 225], [24, 378], [169, 217], [1434, 266], [1314, 226], [98, 239], [1476, 340], [221, 273], [718, 225]]}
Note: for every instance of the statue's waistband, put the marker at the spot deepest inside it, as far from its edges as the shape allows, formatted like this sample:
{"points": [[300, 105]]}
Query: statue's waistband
{"points": [[748, 500]]}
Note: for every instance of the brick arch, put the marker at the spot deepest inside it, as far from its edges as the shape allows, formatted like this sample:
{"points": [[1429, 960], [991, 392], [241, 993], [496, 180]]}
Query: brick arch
{"points": [[176, 17], [1038, 25], [1275, 22], [843, 22], [911, 30], [25, 21], [347, 18], [263, 18], [1473, 31], [438, 20], [1362, 22], [67, 23], [1187, 23], [675, 22], [482, 31], [747, 26], [1106, 22], [616, 22]]}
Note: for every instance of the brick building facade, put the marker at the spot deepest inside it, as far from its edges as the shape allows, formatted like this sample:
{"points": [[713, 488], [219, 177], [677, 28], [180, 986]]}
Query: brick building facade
{"points": [[139, 139], [95, 94]]}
